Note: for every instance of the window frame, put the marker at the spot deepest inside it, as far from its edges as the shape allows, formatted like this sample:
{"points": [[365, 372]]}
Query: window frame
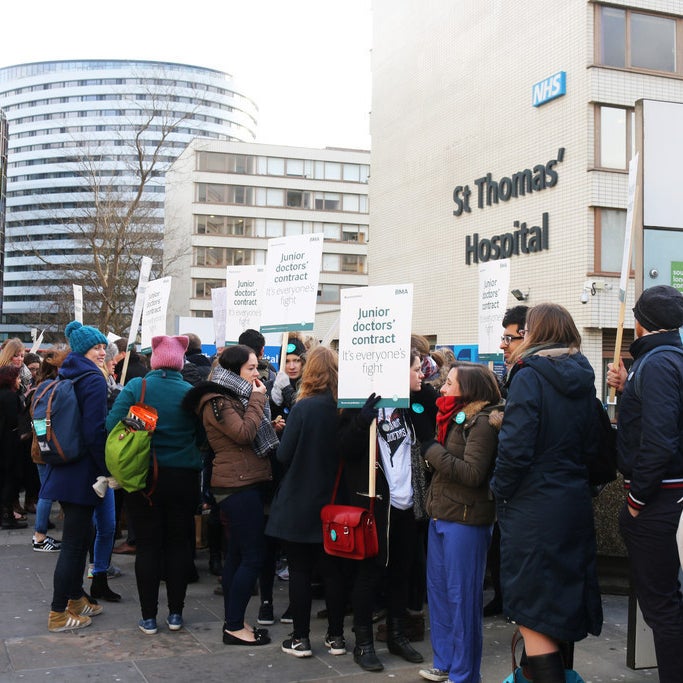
{"points": [[598, 40], [629, 141], [597, 243]]}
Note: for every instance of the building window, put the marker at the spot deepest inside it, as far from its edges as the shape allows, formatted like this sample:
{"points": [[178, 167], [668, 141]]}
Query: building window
{"points": [[299, 199], [635, 40], [222, 256], [352, 263], [610, 226], [202, 288], [615, 137], [327, 201], [328, 294], [224, 225]]}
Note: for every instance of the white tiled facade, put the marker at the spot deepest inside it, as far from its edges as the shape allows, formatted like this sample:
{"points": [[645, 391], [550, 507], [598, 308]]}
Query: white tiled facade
{"points": [[250, 193], [452, 101]]}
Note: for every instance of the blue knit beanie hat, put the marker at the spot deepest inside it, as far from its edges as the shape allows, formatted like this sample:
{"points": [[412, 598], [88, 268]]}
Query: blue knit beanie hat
{"points": [[82, 338]]}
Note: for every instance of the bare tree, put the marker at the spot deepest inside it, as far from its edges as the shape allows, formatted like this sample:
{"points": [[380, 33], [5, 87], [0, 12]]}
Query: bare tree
{"points": [[117, 224]]}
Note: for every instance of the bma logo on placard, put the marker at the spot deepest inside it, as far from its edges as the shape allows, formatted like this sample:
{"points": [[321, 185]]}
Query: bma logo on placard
{"points": [[549, 88]]}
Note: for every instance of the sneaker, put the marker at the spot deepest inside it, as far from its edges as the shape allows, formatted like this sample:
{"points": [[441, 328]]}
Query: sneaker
{"points": [[66, 621], [283, 574], [336, 644], [434, 674], [286, 617], [298, 647], [113, 572], [47, 545], [265, 614], [148, 626], [84, 607], [174, 621]]}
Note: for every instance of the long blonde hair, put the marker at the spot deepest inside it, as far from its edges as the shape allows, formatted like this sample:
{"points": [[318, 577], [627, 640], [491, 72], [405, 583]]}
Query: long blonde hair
{"points": [[10, 348], [320, 373]]}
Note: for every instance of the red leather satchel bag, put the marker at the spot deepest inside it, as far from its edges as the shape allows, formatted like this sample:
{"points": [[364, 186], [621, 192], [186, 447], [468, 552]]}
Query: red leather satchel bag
{"points": [[350, 531]]}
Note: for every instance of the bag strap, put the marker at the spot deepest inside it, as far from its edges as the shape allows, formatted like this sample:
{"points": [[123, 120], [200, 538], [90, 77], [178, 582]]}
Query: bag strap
{"points": [[372, 470], [142, 391]]}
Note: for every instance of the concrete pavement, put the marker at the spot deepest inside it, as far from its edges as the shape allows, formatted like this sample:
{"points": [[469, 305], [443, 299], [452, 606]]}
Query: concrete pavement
{"points": [[113, 649]]}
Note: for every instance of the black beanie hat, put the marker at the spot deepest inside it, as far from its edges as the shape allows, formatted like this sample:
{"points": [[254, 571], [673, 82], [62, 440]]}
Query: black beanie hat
{"points": [[659, 308], [296, 347]]}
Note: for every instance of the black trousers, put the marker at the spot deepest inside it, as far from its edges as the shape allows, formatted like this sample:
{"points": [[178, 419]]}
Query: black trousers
{"points": [[164, 548], [303, 559], [402, 551], [653, 556]]}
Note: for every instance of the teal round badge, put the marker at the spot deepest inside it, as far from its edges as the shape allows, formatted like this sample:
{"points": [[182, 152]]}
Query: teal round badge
{"points": [[418, 408], [460, 418], [333, 535], [291, 348]]}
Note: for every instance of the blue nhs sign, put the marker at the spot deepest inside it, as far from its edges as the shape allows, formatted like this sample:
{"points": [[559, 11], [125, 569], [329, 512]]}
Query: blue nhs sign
{"points": [[549, 88]]}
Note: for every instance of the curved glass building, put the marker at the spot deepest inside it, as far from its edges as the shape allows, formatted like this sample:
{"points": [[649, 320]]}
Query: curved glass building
{"points": [[83, 133]]}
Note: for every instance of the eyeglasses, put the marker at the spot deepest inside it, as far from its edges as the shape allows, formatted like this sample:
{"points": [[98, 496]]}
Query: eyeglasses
{"points": [[507, 338]]}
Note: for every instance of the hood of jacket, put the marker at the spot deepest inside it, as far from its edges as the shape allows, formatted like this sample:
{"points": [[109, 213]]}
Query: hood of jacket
{"points": [[569, 373], [193, 399], [75, 365]]}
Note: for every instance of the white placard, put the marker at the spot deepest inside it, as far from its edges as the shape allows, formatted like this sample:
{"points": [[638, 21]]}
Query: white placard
{"points": [[154, 311], [218, 302], [628, 232], [244, 300], [374, 345], [78, 303], [494, 284], [290, 284], [143, 279]]}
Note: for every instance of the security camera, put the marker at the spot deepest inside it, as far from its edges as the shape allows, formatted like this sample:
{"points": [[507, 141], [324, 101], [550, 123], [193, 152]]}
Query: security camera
{"points": [[584, 297]]}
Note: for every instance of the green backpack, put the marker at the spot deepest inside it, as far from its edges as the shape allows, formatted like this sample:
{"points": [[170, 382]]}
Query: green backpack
{"points": [[128, 452]]}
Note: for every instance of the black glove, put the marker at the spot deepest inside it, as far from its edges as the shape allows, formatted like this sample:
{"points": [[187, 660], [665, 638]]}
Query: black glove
{"points": [[369, 412], [423, 422]]}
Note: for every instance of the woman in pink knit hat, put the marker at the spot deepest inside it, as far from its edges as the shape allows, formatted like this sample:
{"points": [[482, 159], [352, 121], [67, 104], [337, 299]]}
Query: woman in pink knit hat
{"points": [[164, 547]]}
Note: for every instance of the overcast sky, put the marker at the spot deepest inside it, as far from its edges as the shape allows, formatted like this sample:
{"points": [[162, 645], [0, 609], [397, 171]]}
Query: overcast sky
{"points": [[306, 63]]}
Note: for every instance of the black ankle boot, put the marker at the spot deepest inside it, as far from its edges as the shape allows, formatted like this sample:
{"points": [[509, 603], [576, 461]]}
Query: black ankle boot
{"points": [[100, 588], [398, 643], [364, 652], [548, 668]]}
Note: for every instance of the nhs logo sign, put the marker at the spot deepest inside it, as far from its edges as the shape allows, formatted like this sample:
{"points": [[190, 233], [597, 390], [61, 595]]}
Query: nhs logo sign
{"points": [[549, 88]]}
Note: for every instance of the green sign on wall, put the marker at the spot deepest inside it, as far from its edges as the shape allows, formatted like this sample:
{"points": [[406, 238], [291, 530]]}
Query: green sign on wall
{"points": [[677, 275]]}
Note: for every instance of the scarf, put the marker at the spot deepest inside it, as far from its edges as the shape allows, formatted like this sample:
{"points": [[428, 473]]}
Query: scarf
{"points": [[448, 406], [265, 440]]}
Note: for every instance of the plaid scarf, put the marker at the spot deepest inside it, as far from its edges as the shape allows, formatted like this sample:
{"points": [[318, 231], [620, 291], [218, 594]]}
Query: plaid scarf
{"points": [[265, 440]]}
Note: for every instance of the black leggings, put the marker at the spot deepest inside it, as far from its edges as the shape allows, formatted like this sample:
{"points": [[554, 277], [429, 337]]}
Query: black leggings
{"points": [[302, 560]]}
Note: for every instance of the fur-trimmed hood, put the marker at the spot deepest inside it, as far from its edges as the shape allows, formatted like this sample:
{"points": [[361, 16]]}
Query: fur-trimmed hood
{"points": [[193, 400], [476, 408]]}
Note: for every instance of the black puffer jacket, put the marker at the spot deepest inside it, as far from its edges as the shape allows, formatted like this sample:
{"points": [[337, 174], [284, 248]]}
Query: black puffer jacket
{"points": [[650, 434]]}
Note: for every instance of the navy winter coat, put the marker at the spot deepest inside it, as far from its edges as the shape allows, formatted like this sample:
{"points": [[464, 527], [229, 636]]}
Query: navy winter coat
{"points": [[650, 435], [543, 500], [72, 483]]}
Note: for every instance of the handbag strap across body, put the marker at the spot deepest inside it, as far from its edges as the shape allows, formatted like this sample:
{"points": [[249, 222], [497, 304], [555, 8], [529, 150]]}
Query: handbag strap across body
{"points": [[372, 473]]}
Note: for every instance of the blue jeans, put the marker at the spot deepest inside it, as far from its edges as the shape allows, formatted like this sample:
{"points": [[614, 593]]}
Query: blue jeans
{"points": [[105, 526], [456, 562], [243, 525], [76, 538], [44, 506]]}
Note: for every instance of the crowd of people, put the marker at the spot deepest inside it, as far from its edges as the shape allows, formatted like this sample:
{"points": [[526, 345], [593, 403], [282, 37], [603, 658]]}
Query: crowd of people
{"points": [[478, 471]]}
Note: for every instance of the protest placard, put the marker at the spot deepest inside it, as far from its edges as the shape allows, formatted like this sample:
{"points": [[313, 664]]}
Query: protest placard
{"points": [[154, 311], [78, 303], [374, 345], [494, 285], [244, 300], [290, 283], [218, 303]]}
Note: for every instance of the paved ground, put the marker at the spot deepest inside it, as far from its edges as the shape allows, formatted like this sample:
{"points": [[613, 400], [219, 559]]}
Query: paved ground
{"points": [[113, 649]]}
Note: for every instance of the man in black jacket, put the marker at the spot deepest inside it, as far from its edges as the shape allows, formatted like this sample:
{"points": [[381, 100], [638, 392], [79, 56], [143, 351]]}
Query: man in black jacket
{"points": [[650, 456]]}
